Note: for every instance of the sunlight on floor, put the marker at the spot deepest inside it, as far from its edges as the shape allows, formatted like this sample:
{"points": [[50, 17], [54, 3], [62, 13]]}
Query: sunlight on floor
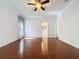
{"points": [[21, 48], [44, 45]]}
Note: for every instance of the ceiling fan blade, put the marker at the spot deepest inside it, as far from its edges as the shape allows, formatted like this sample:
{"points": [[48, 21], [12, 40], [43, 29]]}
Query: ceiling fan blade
{"points": [[35, 9], [31, 4], [42, 8], [39, 0], [47, 1]]}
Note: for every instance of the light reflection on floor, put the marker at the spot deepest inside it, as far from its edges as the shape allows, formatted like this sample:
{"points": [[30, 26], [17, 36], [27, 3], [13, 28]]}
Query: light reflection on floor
{"points": [[21, 48], [44, 45]]}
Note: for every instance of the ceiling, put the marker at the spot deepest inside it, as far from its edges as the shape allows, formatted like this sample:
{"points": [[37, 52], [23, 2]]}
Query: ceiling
{"points": [[53, 7]]}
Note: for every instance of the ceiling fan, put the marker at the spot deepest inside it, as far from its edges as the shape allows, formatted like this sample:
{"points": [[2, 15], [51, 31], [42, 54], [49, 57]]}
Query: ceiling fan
{"points": [[38, 4]]}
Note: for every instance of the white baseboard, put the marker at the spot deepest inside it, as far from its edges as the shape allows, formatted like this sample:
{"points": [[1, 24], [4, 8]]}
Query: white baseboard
{"points": [[7, 43], [39, 37], [68, 43]]}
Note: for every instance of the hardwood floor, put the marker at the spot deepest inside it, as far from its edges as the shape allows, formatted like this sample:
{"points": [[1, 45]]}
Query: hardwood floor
{"points": [[32, 49]]}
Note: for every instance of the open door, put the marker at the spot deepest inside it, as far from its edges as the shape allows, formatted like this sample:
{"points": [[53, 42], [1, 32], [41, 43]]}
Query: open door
{"points": [[21, 27]]}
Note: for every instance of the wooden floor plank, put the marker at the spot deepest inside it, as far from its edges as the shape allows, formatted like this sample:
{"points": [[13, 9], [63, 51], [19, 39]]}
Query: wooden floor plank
{"points": [[31, 49]]}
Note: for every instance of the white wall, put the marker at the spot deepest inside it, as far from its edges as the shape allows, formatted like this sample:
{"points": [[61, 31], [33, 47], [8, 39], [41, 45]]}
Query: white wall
{"points": [[8, 25], [33, 26], [68, 24]]}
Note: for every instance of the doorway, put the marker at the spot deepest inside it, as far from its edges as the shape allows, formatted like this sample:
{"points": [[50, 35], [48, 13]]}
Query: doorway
{"points": [[44, 29], [21, 27]]}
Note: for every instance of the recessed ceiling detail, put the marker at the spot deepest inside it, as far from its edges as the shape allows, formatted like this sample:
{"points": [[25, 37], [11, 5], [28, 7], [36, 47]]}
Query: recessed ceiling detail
{"points": [[38, 4]]}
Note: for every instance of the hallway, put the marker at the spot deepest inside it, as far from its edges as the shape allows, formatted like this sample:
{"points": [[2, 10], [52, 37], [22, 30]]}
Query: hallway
{"points": [[56, 18], [31, 49]]}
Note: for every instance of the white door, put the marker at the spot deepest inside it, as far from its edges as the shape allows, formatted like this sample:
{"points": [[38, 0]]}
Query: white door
{"points": [[44, 29]]}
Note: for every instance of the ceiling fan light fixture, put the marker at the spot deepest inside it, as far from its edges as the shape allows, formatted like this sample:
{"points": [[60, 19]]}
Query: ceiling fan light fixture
{"points": [[38, 5]]}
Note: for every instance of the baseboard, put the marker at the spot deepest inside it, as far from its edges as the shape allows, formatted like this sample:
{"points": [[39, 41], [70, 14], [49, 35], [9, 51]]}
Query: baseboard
{"points": [[68, 42], [38, 37], [8, 43]]}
